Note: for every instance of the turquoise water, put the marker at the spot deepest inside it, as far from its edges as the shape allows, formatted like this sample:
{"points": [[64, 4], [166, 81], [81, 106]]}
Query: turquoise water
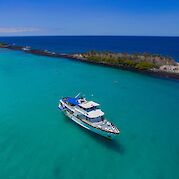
{"points": [[38, 141]]}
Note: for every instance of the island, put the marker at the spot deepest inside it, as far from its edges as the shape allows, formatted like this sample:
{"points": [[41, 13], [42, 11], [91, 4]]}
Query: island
{"points": [[146, 63]]}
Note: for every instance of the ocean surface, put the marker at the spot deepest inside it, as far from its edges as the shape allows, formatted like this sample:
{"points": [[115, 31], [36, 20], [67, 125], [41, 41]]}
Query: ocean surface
{"points": [[38, 142]]}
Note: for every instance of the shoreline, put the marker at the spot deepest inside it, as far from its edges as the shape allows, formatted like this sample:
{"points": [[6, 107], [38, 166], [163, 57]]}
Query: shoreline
{"points": [[78, 57]]}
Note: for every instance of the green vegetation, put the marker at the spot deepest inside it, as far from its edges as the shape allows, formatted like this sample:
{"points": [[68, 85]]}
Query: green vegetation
{"points": [[2, 45], [145, 65], [136, 61]]}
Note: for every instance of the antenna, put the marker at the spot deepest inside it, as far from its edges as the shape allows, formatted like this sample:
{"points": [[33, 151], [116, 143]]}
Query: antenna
{"points": [[77, 95]]}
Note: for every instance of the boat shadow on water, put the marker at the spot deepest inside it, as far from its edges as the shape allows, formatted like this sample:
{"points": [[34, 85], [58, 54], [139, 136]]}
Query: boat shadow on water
{"points": [[114, 144]]}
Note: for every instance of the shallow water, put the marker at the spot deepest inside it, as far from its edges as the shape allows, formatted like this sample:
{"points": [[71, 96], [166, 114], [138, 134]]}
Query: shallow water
{"points": [[38, 141]]}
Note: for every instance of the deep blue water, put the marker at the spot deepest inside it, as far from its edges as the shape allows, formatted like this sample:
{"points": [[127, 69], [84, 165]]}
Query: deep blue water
{"points": [[69, 44]]}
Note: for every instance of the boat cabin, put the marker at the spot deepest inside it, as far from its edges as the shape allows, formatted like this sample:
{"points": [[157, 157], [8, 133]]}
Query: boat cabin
{"points": [[88, 110]]}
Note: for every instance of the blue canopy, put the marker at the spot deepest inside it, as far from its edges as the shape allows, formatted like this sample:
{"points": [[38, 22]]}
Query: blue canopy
{"points": [[73, 101]]}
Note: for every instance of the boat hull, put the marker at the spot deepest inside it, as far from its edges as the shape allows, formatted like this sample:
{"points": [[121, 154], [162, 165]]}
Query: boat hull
{"points": [[105, 134]]}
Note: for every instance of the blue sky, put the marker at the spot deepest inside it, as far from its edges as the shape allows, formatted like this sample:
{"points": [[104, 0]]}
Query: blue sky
{"points": [[89, 17]]}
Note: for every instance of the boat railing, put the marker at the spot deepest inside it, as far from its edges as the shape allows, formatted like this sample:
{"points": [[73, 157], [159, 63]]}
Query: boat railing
{"points": [[82, 111]]}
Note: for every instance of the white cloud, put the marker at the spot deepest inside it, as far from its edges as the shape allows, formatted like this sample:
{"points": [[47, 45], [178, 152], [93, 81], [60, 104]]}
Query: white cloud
{"points": [[18, 29]]}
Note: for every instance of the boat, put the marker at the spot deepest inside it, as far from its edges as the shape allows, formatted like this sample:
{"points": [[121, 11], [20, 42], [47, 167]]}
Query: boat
{"points": [[88, 115], [26, 48]]}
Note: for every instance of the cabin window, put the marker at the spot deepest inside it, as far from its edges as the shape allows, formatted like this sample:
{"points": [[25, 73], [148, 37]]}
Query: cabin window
{"points": [[92, 109], [71, 112], [80, 116], [97, 119]]}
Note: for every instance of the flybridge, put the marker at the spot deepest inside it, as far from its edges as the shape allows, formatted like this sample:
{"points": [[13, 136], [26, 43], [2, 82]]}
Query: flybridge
{"points": [[88, 104], [72, 101], [81, 102]]}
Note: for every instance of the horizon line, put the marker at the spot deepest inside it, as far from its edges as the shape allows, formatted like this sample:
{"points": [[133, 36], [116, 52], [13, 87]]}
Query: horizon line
{"points": [[90, 36]]}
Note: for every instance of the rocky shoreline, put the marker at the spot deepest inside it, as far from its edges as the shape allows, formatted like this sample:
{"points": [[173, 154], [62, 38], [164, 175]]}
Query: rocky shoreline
{"points": [[165, 71]]}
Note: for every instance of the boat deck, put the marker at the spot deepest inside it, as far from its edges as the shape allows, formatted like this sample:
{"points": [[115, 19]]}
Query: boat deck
{"points": [[106, 125], [103, 125]]}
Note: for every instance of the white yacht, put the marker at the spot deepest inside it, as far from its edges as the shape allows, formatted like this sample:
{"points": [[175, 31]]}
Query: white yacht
{"points": [[26, 48], [88, 115]]}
